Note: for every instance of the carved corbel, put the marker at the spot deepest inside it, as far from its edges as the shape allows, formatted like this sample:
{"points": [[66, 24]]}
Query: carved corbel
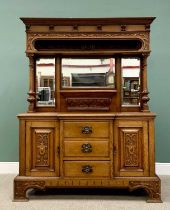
{"points": [[75, 27], [51, 27], [123, 27], [99, 28], [147, 27], [28, 27]]}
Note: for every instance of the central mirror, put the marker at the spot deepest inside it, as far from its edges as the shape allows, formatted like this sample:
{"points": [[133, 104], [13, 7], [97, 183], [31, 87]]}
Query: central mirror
{"points": [[88, 73]]}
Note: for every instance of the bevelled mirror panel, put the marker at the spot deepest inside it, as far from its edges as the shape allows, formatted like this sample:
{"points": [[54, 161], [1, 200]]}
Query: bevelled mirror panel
{"points": [[130, 81], [88, 73], [45, 81]]}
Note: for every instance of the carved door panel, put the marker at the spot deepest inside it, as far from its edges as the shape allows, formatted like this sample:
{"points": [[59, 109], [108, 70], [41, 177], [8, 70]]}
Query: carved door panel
{"points": [[42, 144], [131, 148]]}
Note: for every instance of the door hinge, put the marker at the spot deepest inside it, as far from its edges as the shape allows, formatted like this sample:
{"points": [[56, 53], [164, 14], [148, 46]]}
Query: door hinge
{"points": [[114, 150]]}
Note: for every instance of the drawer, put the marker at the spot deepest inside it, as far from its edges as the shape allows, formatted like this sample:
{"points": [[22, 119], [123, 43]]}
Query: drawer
{"points": [[86, 148], [86, 129], [87, 169]]}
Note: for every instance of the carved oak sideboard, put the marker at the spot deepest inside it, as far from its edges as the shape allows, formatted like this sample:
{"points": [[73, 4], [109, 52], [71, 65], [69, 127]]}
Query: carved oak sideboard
{"points": [[88, 123]]}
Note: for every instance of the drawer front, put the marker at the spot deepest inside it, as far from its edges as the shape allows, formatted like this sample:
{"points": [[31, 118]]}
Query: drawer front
{"points": [[86, 148], [87, 169], [86, 129]]}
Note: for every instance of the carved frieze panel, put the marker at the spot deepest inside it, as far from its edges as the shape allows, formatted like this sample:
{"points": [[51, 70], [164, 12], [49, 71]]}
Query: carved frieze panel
{"points": [[143, 36], [88, 103]]}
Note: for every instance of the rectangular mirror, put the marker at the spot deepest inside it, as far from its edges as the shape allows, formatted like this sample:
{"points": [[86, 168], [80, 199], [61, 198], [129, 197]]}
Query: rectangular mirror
{"points": [[130, 81], [45, 81], [88, 73]]}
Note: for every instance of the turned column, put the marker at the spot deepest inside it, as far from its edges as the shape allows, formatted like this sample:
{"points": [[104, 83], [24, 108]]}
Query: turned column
{"points": [[144, 90], [31, 94]]}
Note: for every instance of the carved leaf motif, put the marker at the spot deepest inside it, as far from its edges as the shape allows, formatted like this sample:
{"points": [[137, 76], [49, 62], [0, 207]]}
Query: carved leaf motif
{"points": [[131, 149], [42, 149], [88, 103]]}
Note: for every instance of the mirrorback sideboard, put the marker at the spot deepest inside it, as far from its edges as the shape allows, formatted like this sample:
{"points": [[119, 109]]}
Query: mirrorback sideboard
{"points": [[88, 123]]}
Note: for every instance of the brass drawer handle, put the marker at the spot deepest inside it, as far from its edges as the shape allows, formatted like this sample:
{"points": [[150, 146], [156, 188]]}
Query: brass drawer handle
{"points": [[86, 130], [87, 169], [86, 148]]}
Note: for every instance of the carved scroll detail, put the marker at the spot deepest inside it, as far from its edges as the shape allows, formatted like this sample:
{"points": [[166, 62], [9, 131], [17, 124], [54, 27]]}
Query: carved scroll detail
{"points": [[32, 36], [153, 189], [20, 188]]}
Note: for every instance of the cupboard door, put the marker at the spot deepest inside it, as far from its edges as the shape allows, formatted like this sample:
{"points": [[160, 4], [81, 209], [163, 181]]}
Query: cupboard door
{"points": [[131, 148], [42, 144]]}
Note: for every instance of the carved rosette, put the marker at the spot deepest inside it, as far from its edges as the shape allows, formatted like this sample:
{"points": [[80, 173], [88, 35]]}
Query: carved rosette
{"points": [[131, 149], [88, 103], [20, 188], [143, 36], [42, 149], [153, 189]]}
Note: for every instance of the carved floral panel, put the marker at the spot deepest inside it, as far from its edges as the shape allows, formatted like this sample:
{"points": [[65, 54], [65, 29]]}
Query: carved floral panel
{"points": [[131, 147], [42, 147], [88, 103]]}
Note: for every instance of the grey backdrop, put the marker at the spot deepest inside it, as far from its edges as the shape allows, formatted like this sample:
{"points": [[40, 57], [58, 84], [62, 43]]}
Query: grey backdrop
{"points": [[14, 64]]}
